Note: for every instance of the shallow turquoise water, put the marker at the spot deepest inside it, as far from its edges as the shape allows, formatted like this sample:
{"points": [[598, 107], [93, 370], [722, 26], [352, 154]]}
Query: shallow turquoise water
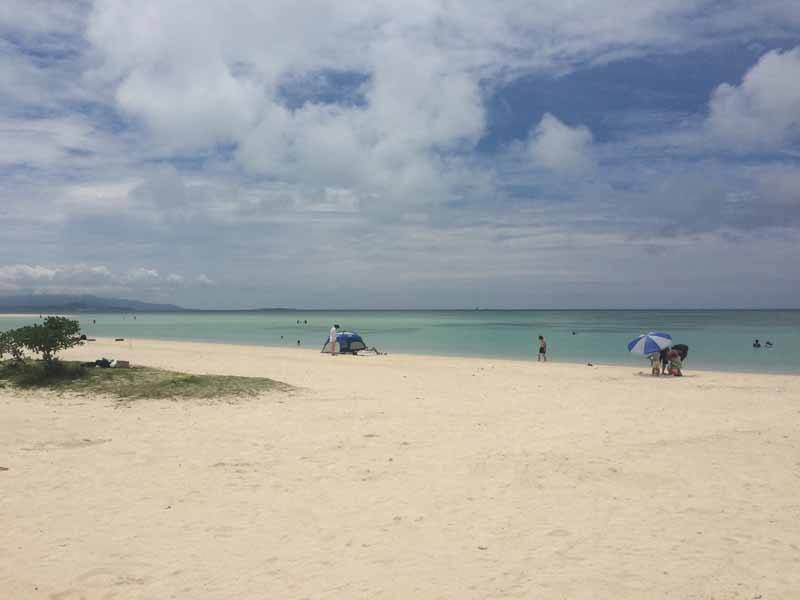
{"points": [[717, 339]]}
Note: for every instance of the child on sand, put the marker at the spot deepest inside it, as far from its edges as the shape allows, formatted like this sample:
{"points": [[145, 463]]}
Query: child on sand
{"points": [[655, 363]]}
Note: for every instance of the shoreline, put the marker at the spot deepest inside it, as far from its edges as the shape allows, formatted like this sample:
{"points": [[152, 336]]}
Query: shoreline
{"points": [[307, 368], [522, 361]]}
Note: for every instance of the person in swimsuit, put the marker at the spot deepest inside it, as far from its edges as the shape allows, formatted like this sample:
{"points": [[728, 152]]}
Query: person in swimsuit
{"points": [[542, 349]]}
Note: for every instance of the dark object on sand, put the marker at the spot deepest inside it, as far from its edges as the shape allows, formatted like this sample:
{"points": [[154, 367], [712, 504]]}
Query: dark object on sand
{"points": [[119, 339], [102, 362], [589, 365], [373, 351]]}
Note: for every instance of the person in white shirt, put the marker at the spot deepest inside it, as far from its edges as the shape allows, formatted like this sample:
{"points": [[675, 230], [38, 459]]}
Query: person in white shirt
{"points": [[332, 339]]}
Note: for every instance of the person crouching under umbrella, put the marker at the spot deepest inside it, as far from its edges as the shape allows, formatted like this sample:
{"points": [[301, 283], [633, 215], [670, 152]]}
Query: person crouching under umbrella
{"points": [[674, 363]]}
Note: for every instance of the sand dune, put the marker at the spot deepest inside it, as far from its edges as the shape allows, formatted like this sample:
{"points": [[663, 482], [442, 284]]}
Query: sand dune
{"points": [[404, 477]]}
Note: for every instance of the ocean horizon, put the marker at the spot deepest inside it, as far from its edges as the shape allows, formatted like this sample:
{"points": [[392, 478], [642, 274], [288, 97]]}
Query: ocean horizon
{"points": [[719, 339]]}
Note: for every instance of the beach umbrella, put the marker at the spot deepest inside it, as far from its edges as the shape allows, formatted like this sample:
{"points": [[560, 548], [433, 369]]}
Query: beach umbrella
{"points": [[650, 342]]}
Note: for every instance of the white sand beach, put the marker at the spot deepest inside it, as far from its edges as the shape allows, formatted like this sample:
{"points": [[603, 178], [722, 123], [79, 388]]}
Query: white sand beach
{"points": [[404, 477]]}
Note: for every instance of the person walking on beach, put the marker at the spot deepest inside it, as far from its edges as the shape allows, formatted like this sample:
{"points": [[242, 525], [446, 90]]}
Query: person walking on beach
{"points": [[332, 339], [542, 350]]}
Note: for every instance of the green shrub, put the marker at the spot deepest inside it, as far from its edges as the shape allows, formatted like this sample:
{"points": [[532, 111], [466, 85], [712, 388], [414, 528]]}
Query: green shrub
{"points": [[11, 345], [47, 339]]}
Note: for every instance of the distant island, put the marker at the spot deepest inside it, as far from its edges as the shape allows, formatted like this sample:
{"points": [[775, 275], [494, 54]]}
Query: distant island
{"points": [[41, 303], [87, 303]]}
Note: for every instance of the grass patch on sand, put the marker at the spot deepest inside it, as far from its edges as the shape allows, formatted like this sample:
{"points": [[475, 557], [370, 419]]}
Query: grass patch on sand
{"points": [[137, 383]]}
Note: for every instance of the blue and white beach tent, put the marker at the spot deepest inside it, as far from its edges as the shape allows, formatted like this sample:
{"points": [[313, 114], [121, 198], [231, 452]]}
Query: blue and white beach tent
{"points": [[348, 342], [650, 343]]}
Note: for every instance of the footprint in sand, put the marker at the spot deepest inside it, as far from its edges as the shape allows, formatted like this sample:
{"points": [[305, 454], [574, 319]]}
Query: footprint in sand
{"points": [[66, 445], [69, 595], [559, 533], [73, 594], [100, 584], [236, 467]]}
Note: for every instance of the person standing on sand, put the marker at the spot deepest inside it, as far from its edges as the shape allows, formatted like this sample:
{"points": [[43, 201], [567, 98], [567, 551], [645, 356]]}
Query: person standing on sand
{"points": [[664, 355], [332, 339], [655, 363], [542, 350]]}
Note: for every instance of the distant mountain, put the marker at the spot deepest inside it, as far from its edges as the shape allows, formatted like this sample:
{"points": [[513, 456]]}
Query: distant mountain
{"points": [[83, 303]]}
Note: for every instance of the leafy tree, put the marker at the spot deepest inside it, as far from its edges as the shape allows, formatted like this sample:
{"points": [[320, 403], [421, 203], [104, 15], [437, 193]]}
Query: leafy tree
{"points": [[11, 344], [47, 339]]}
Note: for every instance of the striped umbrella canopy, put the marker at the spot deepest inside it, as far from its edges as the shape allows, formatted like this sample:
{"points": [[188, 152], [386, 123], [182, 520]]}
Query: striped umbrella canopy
{"points": [[649, 343]]}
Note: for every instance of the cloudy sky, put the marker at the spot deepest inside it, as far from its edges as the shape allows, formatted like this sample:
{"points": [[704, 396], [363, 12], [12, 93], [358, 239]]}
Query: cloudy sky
{"points": [[426, 153]]}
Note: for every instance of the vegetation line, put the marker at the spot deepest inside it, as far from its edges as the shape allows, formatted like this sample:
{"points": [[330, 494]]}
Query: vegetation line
{"points": [[138, 383], [59, 333]]}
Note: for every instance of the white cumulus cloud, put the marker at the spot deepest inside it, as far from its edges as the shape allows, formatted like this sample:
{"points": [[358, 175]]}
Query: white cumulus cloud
{"points": [[20, 276], [84, 278], [557, 146], [764, 110]]}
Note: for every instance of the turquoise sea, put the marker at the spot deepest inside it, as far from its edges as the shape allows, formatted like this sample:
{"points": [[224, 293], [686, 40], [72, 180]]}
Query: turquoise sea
{"points": [[718, 339]]}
